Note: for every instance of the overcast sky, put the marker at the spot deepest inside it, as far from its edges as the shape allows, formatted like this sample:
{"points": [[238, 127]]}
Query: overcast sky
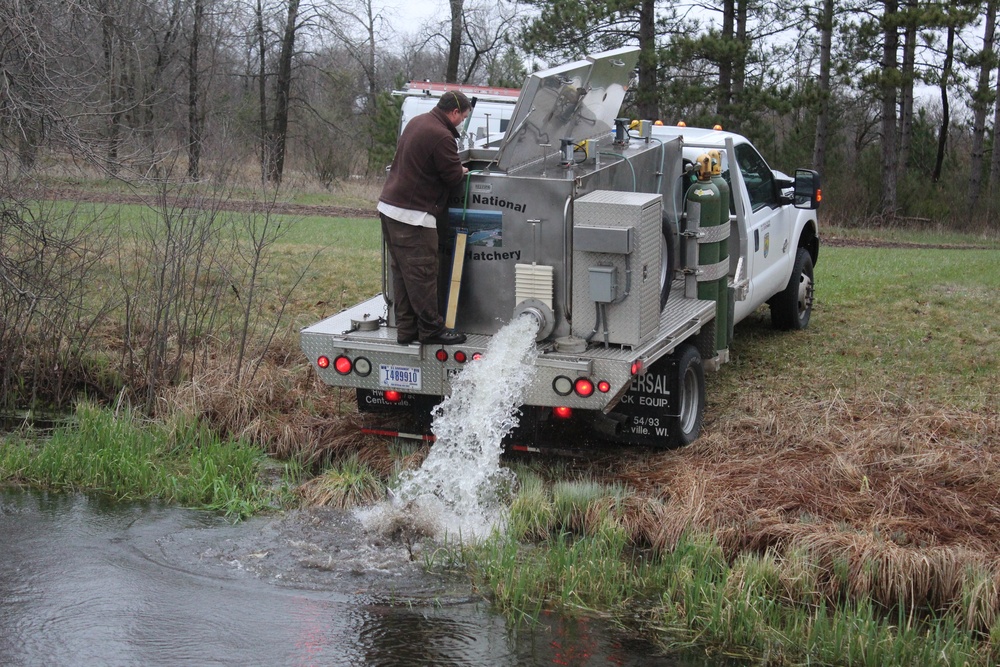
{"points": [[409, 15]]}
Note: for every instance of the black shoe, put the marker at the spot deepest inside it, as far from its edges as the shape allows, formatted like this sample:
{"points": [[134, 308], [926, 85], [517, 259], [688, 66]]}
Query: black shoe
{"points": [[445, 337], [406, 340]]}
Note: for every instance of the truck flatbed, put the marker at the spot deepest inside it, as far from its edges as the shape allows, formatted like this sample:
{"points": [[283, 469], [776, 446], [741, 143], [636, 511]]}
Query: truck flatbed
{"points": [[681, 318]]}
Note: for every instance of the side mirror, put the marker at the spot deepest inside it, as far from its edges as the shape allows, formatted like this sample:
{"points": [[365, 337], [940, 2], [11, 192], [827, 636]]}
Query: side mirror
{"points": [[808, 193]]}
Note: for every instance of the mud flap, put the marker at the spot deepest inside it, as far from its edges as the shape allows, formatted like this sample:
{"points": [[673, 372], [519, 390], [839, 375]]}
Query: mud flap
{"points": [[648, 405], [411, 413], [373, 400]]}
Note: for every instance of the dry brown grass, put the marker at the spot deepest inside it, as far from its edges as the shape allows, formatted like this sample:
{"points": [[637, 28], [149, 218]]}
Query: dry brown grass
{"points": [[284, 408], [885, 498]]}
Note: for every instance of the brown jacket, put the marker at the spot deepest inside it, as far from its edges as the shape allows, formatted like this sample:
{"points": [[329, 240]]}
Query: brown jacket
{"points": [[426, 166]]}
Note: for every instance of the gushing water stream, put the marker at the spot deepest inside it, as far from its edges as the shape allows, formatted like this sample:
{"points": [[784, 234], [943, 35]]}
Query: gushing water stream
{"points": [[458, 491]]}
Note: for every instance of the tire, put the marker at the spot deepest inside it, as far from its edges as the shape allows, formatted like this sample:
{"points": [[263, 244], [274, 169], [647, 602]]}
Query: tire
{"points": [[792, 307], [667, 265], [686, 427]]}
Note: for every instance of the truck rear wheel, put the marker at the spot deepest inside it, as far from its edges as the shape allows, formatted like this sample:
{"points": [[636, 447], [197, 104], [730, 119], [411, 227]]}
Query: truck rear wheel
{"points": [[792, 307], [686, 426]]}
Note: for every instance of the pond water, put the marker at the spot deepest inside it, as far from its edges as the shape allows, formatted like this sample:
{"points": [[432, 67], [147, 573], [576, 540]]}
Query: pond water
{"points": [[87, 581]]}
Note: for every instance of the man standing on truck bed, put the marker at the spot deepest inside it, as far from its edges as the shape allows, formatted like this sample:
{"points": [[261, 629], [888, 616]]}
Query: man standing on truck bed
{"points": [[424, 170]]}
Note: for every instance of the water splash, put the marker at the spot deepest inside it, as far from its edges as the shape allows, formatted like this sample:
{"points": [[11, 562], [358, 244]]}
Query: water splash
{"points": [[458, 492]]}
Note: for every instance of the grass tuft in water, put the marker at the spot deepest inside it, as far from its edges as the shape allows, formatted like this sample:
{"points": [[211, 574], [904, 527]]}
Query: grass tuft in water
{"points": [[572, 501], [533, 513], [349, 484], [128, 459]]}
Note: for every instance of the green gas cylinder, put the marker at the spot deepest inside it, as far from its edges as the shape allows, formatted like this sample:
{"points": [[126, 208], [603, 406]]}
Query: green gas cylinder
{"points": [[723, 327], [702, 203]]}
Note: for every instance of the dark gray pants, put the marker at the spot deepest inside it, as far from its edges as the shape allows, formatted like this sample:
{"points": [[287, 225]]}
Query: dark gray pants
{"points": [[413, 260]]}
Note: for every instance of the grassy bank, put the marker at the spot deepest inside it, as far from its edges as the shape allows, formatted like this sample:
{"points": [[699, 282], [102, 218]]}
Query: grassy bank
{"points": [[122, 457], [589, 553]]}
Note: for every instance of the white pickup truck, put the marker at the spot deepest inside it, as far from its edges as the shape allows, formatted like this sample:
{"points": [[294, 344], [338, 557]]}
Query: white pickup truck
{"points": [[616, 237]]}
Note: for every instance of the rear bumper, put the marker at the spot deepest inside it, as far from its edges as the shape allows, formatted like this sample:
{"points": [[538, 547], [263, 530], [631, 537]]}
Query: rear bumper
{"points": [[337, 335]]}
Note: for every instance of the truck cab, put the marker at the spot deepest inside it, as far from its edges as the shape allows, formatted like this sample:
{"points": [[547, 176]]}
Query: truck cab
{"points": [[769, 222]]}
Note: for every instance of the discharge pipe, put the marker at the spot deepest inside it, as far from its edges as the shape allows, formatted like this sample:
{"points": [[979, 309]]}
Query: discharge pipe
{"points": [[621, 131], [545, 319]]}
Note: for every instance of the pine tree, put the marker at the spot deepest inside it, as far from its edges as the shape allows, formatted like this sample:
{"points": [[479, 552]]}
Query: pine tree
{"points": [[982, 97]]}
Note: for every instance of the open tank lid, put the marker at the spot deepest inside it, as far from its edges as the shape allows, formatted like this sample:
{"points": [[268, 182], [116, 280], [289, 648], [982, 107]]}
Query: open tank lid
{"points": [[578, 101]]}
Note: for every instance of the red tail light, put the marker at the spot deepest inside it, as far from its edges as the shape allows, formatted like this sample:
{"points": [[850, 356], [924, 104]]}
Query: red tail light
{"points": [[584, 387], [393, 396], [562, 412], [441, 356], [636, 366], [323, 362], [460, 357], [342, 365], [604, 386]]}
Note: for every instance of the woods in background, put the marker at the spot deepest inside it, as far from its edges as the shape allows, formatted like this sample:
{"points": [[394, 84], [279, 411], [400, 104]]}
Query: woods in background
{"points": [[894, 101]]}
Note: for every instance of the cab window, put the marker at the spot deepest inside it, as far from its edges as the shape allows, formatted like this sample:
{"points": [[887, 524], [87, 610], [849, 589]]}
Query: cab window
{"points": [[758, 177]]}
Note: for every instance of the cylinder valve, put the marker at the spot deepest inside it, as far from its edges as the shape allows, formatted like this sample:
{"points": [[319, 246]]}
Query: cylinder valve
{"points": [[621, 131]]}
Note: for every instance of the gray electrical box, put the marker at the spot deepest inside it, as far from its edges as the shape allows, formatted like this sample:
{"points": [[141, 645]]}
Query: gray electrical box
{"points": [[617, 245], [603, 284]]}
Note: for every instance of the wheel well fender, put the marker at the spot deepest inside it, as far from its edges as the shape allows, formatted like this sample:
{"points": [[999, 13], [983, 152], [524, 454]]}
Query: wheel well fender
{"points": [[809, 239]]}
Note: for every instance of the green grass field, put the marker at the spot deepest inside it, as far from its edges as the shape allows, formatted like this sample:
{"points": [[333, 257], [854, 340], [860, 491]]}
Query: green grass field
{"points": [[920, 324]]}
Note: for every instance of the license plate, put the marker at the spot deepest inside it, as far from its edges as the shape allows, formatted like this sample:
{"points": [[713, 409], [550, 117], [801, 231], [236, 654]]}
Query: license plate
{"points": [[398, 377]]}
